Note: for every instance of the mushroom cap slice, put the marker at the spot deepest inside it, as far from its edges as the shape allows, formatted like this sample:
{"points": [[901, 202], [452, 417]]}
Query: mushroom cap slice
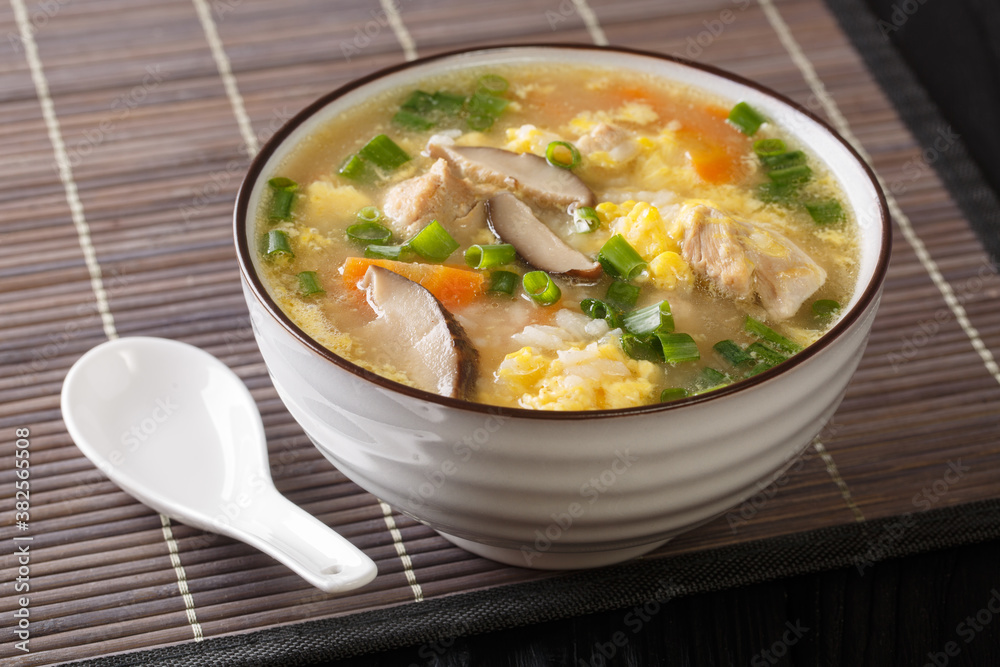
{"points": [[525, 173], [421, 337], [513, 221]]}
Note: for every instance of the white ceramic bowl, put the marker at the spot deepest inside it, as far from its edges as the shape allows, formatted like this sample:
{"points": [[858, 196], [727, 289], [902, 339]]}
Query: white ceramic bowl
{"points": [[566, 490]]}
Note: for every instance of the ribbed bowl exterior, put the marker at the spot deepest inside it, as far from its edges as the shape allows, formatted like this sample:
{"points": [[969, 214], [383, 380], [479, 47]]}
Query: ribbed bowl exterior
{"points": [[598, 483], [504, 482]]}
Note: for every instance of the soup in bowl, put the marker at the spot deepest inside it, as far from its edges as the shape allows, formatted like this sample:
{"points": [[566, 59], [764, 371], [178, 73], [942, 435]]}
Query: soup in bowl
{"points": [[560, 303]]}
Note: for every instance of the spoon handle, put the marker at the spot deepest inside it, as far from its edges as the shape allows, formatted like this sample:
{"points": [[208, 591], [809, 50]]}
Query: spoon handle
{"points": [[288, 533]]}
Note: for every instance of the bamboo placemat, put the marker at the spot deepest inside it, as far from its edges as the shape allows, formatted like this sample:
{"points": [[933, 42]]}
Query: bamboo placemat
{"points": [[126, 129]]}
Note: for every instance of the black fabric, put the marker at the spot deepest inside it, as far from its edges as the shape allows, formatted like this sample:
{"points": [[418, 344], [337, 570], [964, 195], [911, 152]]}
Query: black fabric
{"points": [[642, 582], [955, 46], [652, 581]]}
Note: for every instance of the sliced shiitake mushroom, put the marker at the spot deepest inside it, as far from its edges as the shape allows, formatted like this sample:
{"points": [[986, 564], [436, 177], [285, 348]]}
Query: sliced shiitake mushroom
{"points": [[424, 339], [514, 222], [524, 173]]}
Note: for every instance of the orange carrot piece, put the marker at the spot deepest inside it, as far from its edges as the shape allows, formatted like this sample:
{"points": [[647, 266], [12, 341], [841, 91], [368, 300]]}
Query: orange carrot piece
{"points": [[452, 286]]}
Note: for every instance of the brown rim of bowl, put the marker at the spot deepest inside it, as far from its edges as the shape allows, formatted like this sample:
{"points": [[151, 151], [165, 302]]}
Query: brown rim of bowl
{"points": [[254, 172]]}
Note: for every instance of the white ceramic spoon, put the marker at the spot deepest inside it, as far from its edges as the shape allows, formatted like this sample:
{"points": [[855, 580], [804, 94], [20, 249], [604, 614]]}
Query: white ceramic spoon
{"points": [[178, 430]]}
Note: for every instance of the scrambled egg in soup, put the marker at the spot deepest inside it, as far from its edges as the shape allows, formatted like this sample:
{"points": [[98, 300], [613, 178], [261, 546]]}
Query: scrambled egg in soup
{"points": [[557, 238]]}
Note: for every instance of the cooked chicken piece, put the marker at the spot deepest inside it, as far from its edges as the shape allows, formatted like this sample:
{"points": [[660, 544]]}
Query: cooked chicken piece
{"points": [[524, 173], [466, 227], [435, 195], [747, 259], [610, 139], [419, 336]]}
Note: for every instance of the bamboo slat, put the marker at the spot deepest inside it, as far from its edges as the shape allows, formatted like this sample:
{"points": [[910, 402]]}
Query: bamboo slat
{"points": [[156, 157]]}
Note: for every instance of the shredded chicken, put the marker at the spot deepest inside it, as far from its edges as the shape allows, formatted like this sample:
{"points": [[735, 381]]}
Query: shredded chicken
{"points": [[435, 195], [618, 143], [746, 259]]}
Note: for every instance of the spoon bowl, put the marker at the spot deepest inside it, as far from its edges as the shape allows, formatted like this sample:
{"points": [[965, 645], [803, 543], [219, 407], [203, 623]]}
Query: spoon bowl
{"points": [[178, 430]]}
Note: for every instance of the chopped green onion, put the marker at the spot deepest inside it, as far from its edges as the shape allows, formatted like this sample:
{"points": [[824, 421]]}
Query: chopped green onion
{"points": [[282, 197], [502, 281], [309, 284], [585, 219], [649, 320], [553, 150], [797, 174], [282, 183], [623, 295], [419, 102], [480, 122], [448, 103], [824, 308], [746, 119], [645, 348], [678, 347], [365, 233], [396, 252], [777, 193], [411, 121], [356, 169], [493, 83], [769, 147], [277, 243], [759, 368], [368, 214], [486, 103], [825, 212], [711, 378], [732, 352], [762, 331], [673, 393], [541, 288], [765, 354], [600, 310], [433, 242], [384, 153], [783, 160], [620, 259], [485, 256]]}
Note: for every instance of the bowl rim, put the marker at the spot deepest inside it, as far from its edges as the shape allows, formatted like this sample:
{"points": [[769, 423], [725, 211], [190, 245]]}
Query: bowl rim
{"points": [[241, 212]]}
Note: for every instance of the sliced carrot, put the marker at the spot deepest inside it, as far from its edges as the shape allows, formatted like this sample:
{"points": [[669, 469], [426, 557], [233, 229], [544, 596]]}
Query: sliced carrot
{"points": [[715, 164], [716, 147], [452, 286]]}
